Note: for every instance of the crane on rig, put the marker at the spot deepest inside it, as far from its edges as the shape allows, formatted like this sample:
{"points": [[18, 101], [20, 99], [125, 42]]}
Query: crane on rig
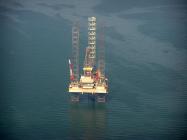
{"points": [[93, 80]]}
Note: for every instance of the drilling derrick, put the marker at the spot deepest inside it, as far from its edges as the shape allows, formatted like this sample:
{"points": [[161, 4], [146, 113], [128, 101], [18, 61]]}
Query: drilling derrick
{"points": [[92, 40], [93, 80]]}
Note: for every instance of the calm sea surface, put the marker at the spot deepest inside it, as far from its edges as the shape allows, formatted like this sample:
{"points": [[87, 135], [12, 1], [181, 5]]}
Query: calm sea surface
{"points": [[147, 99]]}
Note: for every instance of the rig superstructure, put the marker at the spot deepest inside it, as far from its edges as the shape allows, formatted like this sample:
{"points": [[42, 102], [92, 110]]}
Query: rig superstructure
{"points": [[93, 80]]}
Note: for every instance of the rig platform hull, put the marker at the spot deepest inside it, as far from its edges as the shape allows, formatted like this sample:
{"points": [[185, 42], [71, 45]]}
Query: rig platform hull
{"points": [[100, 90]]}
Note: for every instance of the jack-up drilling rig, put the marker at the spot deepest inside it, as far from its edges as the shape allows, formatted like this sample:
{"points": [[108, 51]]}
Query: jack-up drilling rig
{"points": [[93, 80]]}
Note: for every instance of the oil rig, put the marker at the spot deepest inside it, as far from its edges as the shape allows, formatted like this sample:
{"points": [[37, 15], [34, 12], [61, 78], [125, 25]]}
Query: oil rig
{"points": [[93, 81]]}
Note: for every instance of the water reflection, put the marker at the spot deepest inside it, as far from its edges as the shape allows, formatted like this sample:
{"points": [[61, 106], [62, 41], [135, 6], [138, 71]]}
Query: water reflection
{"points": [[87, 121]]}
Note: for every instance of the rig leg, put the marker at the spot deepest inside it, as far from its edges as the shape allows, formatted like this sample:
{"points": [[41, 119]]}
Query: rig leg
{"points": [[75, 97], [101, 98]]}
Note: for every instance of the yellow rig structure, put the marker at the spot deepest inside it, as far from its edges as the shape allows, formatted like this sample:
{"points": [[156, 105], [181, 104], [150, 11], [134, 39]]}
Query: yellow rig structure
{"points": [[93, 80]]}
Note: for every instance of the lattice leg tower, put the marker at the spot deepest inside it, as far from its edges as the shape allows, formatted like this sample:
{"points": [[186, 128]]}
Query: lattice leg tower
{"points": [[75, 51], [101, 54]]}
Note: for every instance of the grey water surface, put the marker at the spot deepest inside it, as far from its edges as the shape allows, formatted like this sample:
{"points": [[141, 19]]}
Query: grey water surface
{"points": [[146, 66]]}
